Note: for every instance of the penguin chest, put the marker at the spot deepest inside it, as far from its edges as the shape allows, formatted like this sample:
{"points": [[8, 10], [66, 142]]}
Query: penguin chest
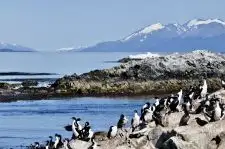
{"points": [[217, 114], [148, 116], [113, 132]]}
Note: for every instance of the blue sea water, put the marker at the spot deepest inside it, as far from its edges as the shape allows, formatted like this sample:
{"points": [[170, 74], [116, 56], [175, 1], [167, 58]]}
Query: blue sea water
{"points": [[23, 122]]}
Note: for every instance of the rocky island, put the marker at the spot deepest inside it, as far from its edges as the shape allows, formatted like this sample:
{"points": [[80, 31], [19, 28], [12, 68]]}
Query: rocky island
{"points": [[150, 76]]}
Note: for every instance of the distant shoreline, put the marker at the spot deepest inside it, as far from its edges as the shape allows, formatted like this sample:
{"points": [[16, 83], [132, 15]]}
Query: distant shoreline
{"points": [[25, 73]]}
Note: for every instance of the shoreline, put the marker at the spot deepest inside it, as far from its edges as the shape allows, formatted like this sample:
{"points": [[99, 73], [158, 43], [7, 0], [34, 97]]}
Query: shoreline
{"points": [[40, 93]]}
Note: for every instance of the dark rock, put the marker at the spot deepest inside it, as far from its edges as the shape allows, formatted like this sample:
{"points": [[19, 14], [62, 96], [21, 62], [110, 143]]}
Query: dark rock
{"points": [[28, 83]]}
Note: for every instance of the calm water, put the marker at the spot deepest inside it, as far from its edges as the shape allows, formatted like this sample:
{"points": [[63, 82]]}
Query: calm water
{"points": [[24, 122], [60, 63]]}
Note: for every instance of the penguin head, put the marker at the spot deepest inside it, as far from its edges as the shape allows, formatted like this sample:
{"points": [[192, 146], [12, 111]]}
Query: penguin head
{"points": [[86, 124], [50, 137], [36, 144], [78, 119], [135, 111], [122, 116], [58, 136], [73, 118]]}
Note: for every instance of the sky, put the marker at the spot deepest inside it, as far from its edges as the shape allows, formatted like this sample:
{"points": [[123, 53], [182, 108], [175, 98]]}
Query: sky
{"points": [[48, 25]]}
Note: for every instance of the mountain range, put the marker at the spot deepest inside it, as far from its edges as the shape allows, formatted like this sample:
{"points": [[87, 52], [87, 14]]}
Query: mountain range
{"points": [[6, 47], [194, 34]]}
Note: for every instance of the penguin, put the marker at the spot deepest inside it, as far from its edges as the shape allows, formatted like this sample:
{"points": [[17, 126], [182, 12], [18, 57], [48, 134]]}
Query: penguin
{"points": [[75, 134], [51, 143], [112, 132], [47, 145], [157, 118], [187, 106], [122, 121], [36, 145], [156, 101], [201, 122], [135, 121], [146, 105], [204, 89], [79, 126], [89, 135], [58, 141], [207, 114], [85, 128], [180, 93], [174, 102], [217, 112], [185, 118], [146, 116]]}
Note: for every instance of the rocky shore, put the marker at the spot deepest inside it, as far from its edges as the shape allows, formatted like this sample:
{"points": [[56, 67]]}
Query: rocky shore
{"points": [[150, 76], [170, 134]]}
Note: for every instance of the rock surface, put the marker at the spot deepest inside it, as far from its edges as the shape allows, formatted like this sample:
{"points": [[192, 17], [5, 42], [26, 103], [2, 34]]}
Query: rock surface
{"points": [[156, 75], [173, 136]]}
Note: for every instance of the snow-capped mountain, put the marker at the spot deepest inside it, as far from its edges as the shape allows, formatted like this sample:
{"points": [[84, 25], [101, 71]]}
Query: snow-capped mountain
{"points": [[195, 34], [6, 47]]}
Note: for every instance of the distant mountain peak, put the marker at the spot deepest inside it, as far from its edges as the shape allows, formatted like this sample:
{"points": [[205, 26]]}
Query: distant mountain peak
{"points": [[146, 30], [196, 22], [7, 47]]}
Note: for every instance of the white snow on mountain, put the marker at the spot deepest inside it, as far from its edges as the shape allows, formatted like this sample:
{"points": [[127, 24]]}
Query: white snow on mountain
{"points": [[146, 30], [197, 22], [143, 56], [194, 34]]}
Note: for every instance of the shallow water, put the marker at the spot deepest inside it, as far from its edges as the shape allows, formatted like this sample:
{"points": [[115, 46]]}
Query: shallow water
{"points": [[24, 122]]}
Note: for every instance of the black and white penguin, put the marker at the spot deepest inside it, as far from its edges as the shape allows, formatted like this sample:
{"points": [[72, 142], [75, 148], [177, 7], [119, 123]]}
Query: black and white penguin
{"points": [[122, 121], [156, 102], [76, 133], [36, 145], [173, 104], [58, 141], [185, 118], [47, 145], [180, 94], [112, 132], [146, 116], [51, 143], [79, 126], [157, 118], [204, 88], [135, 122], [217, 112], [89, 134], [85, 128], [145, 106]]}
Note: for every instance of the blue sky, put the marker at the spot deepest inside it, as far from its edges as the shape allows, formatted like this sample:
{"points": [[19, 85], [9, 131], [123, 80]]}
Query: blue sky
{"points": [[48, 25]]}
